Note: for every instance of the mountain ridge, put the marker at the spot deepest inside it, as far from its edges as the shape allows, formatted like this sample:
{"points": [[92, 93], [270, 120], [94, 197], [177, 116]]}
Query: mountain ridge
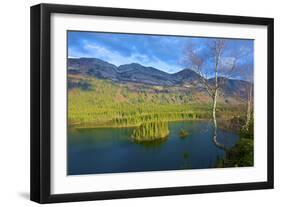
{"points": [[137, 73], [98, 67]]}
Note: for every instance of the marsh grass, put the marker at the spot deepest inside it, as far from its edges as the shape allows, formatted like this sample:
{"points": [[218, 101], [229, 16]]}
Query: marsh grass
{"points": [[150, 131]]}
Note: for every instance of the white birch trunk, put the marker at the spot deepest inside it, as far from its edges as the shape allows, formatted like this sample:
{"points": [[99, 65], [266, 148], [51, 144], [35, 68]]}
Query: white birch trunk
{"points": [[249, 107], [215, 108], [215, 95]]}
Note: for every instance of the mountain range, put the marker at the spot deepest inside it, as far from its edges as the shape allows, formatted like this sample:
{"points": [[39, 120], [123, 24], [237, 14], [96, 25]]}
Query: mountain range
{"points": [[136, 73]]}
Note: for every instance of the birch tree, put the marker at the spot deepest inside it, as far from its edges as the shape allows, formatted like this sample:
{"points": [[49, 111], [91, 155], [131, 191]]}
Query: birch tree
{"points": [[218, 65], [247, 72]]}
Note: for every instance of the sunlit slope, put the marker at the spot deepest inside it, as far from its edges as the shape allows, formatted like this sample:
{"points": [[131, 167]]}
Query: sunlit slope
{"points": [[94, 102]]}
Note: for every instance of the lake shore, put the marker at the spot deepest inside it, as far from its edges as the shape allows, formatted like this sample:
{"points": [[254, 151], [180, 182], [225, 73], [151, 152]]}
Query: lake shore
{"points": [[90, 126]]}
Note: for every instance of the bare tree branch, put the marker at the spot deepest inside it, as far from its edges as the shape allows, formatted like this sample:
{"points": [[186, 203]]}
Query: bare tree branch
{"points": [[196, 63]]}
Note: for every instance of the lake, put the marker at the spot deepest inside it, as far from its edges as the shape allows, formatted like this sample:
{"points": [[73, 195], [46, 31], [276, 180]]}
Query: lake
{"points": [[112, 150]]}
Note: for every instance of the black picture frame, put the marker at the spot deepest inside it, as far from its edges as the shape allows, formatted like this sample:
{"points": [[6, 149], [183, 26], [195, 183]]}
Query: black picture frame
{"points": [[41, 98]]}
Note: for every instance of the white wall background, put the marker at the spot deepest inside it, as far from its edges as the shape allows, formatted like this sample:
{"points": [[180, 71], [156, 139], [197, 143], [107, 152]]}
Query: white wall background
{"points": [[14, 101]]}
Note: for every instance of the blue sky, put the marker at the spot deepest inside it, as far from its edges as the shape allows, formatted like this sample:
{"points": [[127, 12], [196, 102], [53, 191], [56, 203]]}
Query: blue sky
{"points": [[162, 52]]}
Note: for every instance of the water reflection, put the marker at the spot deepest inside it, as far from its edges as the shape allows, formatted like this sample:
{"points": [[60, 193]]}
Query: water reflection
{"points": [[113, 150], [151, 144]]}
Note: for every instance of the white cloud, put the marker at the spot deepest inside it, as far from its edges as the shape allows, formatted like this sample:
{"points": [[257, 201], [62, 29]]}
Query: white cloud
{"points": [[118, 59], [227, 64]]}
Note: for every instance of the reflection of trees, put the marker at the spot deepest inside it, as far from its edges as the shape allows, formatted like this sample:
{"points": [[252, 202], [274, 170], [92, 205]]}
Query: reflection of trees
{"points": [[151, 144], [186, 164], [215, 140]]}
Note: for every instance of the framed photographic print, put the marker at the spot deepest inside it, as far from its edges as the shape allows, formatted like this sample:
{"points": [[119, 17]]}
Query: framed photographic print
{"points": [[132, 103]]}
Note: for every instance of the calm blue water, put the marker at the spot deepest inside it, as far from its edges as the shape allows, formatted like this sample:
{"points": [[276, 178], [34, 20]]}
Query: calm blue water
{"points": [[93, 151]]}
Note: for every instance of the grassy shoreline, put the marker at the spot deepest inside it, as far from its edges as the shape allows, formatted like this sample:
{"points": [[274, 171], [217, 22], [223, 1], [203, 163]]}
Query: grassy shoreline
{"points": [[76, 126]]}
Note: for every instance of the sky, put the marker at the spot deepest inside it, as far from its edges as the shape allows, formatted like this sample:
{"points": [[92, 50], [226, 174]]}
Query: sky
{"points": [[166, 53]]}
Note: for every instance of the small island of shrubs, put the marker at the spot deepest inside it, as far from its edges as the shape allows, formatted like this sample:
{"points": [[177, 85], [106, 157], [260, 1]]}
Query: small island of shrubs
{"points": [[183, 133], [151, 131]]}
